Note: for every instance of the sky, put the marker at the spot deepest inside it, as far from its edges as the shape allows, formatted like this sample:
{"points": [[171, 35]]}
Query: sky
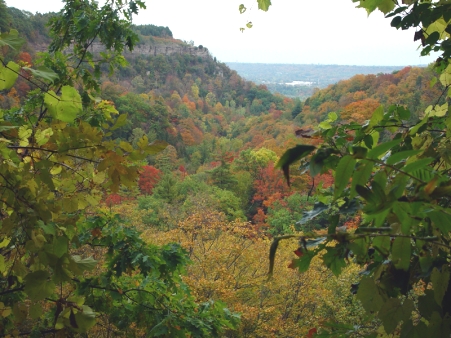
{"points": [[292, 31]]}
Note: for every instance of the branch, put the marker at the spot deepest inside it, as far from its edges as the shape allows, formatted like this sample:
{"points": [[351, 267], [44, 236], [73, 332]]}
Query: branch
{"points": [[11, 291]]}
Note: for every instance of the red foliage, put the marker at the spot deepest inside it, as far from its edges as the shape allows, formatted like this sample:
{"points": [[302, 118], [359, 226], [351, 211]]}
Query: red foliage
{"points": [[269, 187], [148, 178], [113, 199], [25, 57], [312, 332]]}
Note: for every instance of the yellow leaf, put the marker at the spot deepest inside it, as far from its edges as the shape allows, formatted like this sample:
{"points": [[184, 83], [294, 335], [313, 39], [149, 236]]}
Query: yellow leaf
{"points": [[99, 177]]}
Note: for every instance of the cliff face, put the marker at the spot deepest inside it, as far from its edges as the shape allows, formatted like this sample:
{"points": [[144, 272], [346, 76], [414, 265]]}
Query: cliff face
{"points": [[168, 48]]}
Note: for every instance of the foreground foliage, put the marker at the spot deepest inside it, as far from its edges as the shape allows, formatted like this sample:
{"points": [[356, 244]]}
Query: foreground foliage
{"points": [[58, 160], [393, 170]]}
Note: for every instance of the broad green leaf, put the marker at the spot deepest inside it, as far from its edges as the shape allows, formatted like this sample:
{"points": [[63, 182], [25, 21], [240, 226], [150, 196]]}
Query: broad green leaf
{"points": [[360, 247], [43, 73], [402, 155], [264, 4], [393, 312], [12, 39], [35, 310], [85, 264], [333, 260], [361, 175], [417, 164], [382, 244], [43, 136], [427, 304], [65, 108], [70, 204], [401, 252], [376, 117], [85, 319], [439, 111], [440, 280], [445, 77], [343, 173], [382, 148], [367, 194], [154, 147], [441, 220], [304, 261], [8, 75], [38, 286], [402, 211], [332, 116], [325, 125], [60, 246], [370, 295], [120, 122]]}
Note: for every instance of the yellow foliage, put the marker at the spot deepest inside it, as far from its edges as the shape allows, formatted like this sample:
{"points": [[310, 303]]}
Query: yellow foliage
{"points": [[230, 263]]}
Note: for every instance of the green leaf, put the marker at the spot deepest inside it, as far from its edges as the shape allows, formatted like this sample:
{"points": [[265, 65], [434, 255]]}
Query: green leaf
{"points": [[264, 4], [38, 286], [361, 175], [292, 155], [303, 262], [334, 261], [12, 39], [120, 121], [402, 211], [382, 148], [85, 264], [382, 244], [417, 164], [65, 108], [401, 252], [370, 295], [441, 220], [8, 75], [156, 147], [85, 319], [393, 312], [43, 73], [343, 173], [402, 155], [367, 194], [376, 117], [35, 311], [440, 280]]}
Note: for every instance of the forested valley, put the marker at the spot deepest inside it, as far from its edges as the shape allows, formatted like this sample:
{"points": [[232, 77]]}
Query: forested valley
{"points": [[146, 189]]}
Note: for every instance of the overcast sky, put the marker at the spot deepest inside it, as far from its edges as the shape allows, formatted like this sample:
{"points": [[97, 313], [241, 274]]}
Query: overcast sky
{"points": [[292, 31]]}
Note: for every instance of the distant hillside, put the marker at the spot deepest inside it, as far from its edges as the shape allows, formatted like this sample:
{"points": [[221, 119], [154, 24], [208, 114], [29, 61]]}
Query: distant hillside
{"points": [[355, 99], [280, 77]]}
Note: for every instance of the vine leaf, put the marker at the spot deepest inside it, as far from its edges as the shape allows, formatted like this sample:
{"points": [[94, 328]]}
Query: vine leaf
{"points": [[8, 75], [37, 285], [65, 108], [343, 173], [292, 155], [393, 311], [263, 5]]}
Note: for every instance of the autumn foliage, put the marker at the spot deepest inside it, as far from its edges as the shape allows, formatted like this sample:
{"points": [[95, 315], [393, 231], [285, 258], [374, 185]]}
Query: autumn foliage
{"points": [[148, 178]]}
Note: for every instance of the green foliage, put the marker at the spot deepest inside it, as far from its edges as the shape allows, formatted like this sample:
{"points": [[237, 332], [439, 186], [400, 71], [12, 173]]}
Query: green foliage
{"points": [[58, 160], [401, 183]]}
